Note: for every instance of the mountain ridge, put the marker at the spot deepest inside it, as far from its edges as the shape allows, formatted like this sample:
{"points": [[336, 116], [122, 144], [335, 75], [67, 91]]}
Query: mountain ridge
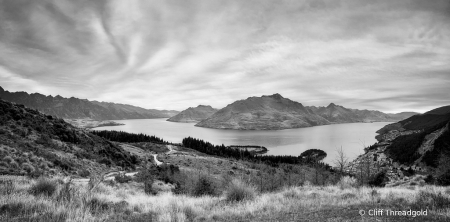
{"points": [[274, 112], [75, 108]]}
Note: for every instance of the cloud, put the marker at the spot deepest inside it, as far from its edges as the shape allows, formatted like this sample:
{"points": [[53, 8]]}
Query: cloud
{"points": [[386, 55]]}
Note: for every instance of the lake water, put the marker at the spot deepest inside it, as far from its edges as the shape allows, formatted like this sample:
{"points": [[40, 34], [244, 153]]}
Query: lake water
{"points": [[351, 136]]}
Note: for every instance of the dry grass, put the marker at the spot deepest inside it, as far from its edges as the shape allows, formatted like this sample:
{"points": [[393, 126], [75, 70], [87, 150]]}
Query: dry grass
{"points": [[128, 202]]}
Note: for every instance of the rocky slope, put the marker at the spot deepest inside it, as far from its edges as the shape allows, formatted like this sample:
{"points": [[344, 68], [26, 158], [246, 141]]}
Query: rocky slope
{"points": [[32, 143], [74, 108], [193, 114], [418, 144], [276, 112]]}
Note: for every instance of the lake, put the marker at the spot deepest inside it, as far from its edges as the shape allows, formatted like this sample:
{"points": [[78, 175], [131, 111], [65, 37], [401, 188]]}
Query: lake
{"points": [[351, 136]]}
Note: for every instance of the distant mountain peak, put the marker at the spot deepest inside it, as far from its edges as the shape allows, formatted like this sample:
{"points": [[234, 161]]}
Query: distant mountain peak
{"points": [[193, 114], [331, 105], [275, 96], [1, 89]]}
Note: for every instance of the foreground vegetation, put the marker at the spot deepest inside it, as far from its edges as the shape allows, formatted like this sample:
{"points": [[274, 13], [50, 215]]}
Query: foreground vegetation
{"points": [[59, 200]]}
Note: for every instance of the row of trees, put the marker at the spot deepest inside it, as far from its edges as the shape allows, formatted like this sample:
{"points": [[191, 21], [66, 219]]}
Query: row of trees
{"points": [[124, 137], [223, 151]]}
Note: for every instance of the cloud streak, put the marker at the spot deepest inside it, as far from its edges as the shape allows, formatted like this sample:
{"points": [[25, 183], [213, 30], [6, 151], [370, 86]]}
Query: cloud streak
{"points": [[386, 55]]}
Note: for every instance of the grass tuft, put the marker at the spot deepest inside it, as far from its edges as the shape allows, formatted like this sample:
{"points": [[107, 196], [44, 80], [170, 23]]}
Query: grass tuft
{"points": [[240, 191], [43, 187]]}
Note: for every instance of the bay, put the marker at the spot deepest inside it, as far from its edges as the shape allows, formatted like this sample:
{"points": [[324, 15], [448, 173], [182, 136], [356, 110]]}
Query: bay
{"points": [[353, 137]]}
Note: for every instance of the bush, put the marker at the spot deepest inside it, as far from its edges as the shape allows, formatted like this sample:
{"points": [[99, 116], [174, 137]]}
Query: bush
{"points": [[148, 187], [347, 182], [378, 180], [204, 186], [66, 193], [28, 167], [444, 179], [43, 187], [122, 178], [240, 191], [433, 201], [97, 205], [429, 179], [84, 173], [12, 209]]}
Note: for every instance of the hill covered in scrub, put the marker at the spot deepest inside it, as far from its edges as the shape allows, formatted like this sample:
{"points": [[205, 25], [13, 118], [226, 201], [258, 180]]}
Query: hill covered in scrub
{"points": [[275, 112], [417, 145], [193, 114], [32, 143], [74, 108]]}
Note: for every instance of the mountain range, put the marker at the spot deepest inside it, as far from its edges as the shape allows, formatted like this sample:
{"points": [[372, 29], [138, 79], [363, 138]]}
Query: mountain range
{"points": [[275, 112], [193, 114], [74, 108]]}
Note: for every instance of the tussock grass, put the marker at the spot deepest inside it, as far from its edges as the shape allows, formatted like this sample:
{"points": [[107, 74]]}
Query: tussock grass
{"points": [[43, 187], [129, 202], [240, 191]]}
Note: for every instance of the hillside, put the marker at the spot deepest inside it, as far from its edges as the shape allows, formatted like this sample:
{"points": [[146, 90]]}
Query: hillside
{"points": [[417, 145], [276, 112], [74, 108], [32, 143], [193, 114]]}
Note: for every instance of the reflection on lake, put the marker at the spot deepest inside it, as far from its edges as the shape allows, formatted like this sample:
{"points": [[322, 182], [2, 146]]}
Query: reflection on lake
{"points": [[351, 136]]}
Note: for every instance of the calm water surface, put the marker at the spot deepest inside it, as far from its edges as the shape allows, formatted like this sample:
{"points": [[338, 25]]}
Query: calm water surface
{"points": [[352, 136]]}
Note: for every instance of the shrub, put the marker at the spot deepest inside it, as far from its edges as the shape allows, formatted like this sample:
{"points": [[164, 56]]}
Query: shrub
{"points": [[444, 179], [84, 173], [43, 187], [27, 167], [8, 159], [204, 186], [429, 179], [240, 191], [378, 180], [12, 209], [347, 182], [122, 178], [97, 205], [346, 196], [66, 193], [148, 187], [434, 201]]}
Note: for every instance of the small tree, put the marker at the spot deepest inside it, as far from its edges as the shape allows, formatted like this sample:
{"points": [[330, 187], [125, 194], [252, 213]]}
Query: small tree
{"points": [[341, 160]]}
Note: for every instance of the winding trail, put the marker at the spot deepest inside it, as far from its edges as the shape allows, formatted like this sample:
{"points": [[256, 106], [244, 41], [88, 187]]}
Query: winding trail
{"points": [[171, 150], [111, 175], [156, 160]]}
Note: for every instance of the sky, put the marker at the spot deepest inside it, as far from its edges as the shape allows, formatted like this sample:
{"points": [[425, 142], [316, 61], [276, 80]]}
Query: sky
{"points": [[391, 55]]}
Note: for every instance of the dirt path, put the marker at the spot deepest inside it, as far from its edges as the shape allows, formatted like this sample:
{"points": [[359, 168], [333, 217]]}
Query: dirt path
{"points": [[171, 150], [156, 160]]}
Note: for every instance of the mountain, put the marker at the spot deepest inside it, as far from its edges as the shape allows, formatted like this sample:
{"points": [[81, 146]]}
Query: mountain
{"points": [[32, 143], [339, 114], [275, 112], [193, 114], [74, 108], [418, 144]]}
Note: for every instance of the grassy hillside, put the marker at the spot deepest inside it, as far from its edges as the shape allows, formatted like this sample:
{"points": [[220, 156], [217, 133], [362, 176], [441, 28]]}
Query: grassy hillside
{"points": [[34, 144]]}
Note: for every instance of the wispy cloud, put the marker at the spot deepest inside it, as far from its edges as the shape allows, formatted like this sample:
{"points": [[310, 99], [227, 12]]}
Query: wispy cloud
{"points": [[386, 55]]}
